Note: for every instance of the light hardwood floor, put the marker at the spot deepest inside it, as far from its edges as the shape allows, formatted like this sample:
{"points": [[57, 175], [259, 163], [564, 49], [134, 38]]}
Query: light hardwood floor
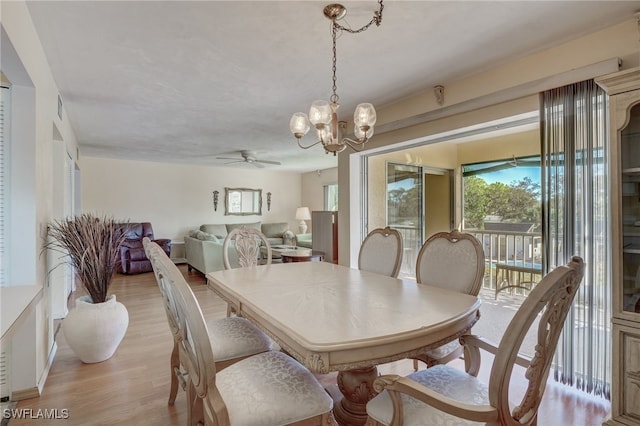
{"points": [[132, 387]]}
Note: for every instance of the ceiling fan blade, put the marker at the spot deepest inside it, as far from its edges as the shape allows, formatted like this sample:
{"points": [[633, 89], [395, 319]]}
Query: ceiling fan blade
{"points": [[233, 162], [229, 158], [277, 163], [255, 163]]}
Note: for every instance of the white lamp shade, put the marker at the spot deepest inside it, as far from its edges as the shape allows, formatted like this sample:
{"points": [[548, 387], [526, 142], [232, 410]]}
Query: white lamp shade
{"points": [[364, 115], [320, 113], [299, 124], [303, 213]]}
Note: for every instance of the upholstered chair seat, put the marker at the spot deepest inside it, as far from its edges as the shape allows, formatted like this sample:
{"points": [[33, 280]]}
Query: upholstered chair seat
{"points": [[234, 338], [271, 389], [448, 382]]}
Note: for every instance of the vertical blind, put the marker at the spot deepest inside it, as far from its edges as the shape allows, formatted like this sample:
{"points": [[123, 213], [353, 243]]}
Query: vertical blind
{"points": [[4, 155], [575, 216]]}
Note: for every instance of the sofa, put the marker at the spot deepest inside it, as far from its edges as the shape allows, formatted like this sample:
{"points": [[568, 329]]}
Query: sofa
{"points": [[303, 240], [133, 259], [203, 246]]}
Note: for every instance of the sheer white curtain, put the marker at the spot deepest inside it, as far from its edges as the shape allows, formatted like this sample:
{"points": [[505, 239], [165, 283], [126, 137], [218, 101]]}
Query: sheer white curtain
{"points": [[576, 222]]}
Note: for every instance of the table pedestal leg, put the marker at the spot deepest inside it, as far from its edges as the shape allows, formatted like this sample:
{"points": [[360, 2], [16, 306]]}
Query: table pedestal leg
{"points": [[356, 387]]}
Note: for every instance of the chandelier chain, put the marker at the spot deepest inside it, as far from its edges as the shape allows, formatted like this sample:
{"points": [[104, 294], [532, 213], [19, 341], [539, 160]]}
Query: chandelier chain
{"points": [[334, 97], [335, 26], [377, 19]]}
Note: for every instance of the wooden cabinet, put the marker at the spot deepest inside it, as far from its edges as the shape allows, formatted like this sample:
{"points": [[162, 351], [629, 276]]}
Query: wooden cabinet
{"points": [[324, 225], [623, 89]]}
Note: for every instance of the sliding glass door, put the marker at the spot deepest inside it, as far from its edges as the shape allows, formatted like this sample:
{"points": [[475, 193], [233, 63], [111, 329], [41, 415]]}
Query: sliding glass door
{"points": [[405, 209]]}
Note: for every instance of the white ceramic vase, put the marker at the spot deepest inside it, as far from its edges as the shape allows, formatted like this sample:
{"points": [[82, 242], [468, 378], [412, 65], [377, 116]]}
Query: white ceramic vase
{"points": [[94, 330]]}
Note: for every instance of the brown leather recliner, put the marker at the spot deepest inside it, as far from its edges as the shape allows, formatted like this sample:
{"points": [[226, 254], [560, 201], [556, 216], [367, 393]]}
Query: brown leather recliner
{"points": [[133, 259]]}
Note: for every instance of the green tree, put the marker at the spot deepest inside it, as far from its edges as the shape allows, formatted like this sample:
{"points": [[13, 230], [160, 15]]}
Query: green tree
{"points": [[518, 201], [475, 201]]}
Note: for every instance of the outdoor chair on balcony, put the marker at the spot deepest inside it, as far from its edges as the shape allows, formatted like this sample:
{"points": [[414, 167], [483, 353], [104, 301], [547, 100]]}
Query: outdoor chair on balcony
{"points": [[233, 338], [447, 395], [269, 388], [455, 261], [381, 252]]}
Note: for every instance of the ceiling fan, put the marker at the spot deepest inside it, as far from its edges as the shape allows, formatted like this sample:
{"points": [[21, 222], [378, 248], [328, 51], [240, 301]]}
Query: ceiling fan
{"points": [[248, 157]]}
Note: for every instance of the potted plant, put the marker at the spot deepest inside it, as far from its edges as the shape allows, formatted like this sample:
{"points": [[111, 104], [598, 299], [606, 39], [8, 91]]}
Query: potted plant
{"points": [[91, 245]]}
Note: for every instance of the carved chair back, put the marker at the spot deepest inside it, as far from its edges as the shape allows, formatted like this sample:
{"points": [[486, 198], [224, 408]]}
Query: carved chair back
{"points": [[194, 345], [549, 302], [247, 245]]}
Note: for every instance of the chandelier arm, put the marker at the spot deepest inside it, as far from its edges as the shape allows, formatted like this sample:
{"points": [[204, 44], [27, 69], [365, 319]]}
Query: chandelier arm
{"points": [[352, 142], [308, 146]]}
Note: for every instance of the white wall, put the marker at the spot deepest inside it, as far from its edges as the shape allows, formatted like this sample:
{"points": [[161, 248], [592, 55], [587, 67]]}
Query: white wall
{"points": [[176, 198]]}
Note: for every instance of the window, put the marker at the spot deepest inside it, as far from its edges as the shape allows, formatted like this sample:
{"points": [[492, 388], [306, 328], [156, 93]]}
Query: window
{"points": [[331, 197]]}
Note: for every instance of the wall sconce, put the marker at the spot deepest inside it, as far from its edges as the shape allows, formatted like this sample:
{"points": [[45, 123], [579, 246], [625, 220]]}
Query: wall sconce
{"points": [[268, 201], [215, 200]]}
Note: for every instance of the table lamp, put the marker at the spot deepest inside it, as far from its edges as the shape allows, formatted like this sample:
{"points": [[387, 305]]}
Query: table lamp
{"points": [[302, 214]]}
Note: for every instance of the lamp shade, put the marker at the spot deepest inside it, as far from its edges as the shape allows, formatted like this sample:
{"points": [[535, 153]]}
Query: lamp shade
{"points": [[303, 213], [299, 124], [364, 115], [320, 113]]}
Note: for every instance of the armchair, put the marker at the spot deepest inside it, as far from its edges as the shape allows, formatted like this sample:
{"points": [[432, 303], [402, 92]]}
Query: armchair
{"points": [[133, 259], [446, 395]]}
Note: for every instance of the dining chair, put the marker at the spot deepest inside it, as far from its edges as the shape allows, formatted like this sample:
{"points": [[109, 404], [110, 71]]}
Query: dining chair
{"points": [[455, 261], [269, 388], [381, 252], [246, 244], [233, 338], [446, 395]]}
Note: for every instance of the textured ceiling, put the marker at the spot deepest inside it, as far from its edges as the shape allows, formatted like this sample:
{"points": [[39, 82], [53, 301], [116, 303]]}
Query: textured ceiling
{"points": [[185, 82]]}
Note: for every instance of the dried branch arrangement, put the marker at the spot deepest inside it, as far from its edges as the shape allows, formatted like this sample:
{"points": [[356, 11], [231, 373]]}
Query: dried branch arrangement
{"points": [[91, 244]]}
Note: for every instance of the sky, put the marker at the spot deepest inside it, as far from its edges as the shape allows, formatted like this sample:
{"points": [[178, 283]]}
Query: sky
{"points": [[513, 174]]}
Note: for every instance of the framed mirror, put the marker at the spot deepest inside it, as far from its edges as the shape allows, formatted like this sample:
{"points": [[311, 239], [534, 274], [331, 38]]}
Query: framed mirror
{"points": [[242, 201]]}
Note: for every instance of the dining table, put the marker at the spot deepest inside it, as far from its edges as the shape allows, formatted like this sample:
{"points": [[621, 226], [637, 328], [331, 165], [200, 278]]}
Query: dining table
{"points": [[334, 318]]}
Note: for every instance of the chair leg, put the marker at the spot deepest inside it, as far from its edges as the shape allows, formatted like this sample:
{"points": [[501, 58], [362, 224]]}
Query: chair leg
{"points": [[196, 410], [175, 367]]}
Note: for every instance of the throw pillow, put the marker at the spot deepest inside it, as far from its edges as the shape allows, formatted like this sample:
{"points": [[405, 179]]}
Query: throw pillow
{"points": [[205, 236]]}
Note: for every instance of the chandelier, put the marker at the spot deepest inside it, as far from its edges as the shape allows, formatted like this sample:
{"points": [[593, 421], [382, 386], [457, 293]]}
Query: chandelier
{"points": [[323, 115]]}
